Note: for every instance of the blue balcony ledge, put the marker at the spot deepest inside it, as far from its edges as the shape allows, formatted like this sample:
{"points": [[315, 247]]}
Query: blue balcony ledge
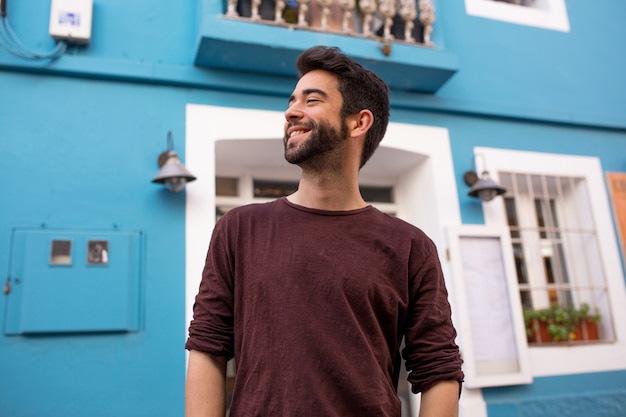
{"points": [[236, 45]]}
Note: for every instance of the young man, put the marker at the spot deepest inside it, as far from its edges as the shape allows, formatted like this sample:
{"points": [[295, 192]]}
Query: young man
{"points": [[312, 294]]}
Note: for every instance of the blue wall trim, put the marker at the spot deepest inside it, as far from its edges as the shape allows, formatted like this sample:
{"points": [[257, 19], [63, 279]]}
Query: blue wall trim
{"points": [[600, 394], [244, 45], [240, 45], [272, 85]]}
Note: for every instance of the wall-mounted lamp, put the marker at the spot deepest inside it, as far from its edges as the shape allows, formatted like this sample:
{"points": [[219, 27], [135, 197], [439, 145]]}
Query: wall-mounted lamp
{"points": [[484, 187], [172, 173]]}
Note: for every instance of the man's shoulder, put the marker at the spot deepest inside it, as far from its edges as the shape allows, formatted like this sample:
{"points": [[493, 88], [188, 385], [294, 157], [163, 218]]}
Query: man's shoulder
{"points": [[395, 223], [399, 229], [253, 210]]}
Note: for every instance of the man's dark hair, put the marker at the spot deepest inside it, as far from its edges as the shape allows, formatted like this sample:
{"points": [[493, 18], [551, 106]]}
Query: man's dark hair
{"points": [[359, 87]]}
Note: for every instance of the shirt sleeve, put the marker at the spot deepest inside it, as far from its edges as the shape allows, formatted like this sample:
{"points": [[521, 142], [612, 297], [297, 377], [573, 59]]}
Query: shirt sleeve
{"points": [[211, 329], [431, 352]]}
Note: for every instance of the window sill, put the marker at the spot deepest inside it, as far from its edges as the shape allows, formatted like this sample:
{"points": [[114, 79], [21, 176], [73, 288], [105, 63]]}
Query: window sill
{"points": [[552, 15], [570, 343], [258, 48]]}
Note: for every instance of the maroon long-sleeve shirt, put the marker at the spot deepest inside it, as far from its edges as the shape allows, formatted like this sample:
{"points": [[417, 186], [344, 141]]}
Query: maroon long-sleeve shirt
{"points": [[314, 305]]}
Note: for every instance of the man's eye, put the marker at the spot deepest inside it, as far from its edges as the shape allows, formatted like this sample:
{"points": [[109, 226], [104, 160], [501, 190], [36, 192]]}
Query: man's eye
{"points": [[312, 100]]}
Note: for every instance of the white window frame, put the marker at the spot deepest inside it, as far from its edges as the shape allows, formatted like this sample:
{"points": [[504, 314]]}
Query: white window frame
{"points": [[546, 14], [563, 360]]}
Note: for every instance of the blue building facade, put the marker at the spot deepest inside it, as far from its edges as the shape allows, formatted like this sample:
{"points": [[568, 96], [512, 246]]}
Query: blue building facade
{"points": [[533, 93]]}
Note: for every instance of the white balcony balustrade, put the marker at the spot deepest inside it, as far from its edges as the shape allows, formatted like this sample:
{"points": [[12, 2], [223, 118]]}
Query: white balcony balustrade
{"points": [[407, 21]]}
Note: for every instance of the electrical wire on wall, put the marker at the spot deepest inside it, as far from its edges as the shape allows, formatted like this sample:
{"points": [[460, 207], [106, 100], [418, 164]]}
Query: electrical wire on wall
{"points": [[11, 42]]}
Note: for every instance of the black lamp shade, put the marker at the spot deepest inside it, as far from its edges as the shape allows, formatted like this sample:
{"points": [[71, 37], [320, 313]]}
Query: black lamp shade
{"points": [[486, 189], [173, 173]]}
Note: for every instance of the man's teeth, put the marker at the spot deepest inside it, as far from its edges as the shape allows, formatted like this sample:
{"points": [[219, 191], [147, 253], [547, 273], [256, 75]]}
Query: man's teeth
{"points": [[296, 132]]}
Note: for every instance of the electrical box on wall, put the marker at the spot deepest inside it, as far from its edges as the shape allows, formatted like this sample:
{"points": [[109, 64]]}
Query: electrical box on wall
{"points": [[70, 20], [74, 281]]}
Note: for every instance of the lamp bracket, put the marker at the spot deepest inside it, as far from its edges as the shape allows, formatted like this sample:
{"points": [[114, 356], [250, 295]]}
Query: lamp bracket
{"points": [[470, 178], [164, 156]]}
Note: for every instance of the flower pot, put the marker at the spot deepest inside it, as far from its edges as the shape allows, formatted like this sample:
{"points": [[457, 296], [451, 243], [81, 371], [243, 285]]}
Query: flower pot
{"points": [[539, 332], [586, 329]]}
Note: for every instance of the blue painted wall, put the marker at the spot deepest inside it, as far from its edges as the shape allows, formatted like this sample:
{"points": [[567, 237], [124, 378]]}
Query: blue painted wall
{"points": [[545, 74], [571, 396], [79, 139], [80, 155]]}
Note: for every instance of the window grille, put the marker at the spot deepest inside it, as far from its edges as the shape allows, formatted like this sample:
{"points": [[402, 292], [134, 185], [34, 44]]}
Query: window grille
{"points": [[560, 275]]}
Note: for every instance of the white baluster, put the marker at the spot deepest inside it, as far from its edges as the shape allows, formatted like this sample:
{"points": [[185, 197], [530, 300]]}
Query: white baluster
{"points": [[388, 9], [255, 10], [408, 13], [367, 8], [304, 7], [348, 9], [278, 12], [325, 4], [427, 18], [232, 9]]}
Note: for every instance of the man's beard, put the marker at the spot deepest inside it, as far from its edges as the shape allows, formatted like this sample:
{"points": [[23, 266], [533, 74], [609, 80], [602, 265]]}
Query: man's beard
{"points": [[323, 138]]}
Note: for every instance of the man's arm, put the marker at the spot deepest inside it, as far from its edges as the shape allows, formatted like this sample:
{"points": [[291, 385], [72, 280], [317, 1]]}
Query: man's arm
{"points": [[441, 400], [205, 394]]}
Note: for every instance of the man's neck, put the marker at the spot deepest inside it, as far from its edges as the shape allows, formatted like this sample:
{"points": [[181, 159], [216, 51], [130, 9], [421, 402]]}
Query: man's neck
{"points": [[331, 181], [331, 194]]}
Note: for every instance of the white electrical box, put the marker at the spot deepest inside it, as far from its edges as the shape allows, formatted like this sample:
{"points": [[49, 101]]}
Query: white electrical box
{"points": [[70, 20]]}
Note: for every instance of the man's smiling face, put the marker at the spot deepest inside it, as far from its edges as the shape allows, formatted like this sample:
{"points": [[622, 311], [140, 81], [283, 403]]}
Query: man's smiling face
{"points": [[313, 122]]}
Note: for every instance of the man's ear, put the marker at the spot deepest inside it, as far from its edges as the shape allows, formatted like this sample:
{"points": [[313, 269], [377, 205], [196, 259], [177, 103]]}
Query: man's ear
{"points": [[360, 123]]}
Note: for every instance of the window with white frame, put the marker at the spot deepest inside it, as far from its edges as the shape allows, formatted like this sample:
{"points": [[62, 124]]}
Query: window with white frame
{"points": [[547, 14], [561, 278], [565, 248]]}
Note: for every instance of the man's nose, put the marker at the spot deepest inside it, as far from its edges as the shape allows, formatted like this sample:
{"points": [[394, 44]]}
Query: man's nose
{"points": [[293, 112]]}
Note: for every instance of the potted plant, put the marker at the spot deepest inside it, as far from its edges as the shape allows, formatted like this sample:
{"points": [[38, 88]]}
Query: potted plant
{"points": [[536, 323], [561, 324], [586, 327]]}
